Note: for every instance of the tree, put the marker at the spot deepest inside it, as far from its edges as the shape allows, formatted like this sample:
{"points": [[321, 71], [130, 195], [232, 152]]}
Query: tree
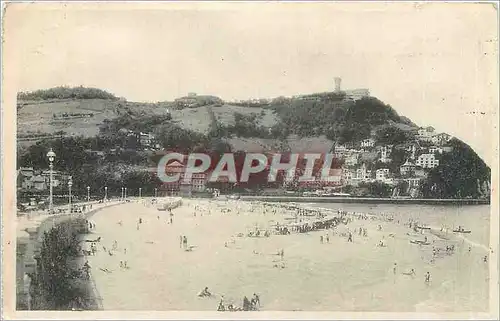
{"points": [[391, 135], [457, 174]]}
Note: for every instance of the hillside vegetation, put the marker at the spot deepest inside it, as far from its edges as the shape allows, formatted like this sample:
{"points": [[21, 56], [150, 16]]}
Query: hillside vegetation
{"points": [[66, 93], [313, 123]]}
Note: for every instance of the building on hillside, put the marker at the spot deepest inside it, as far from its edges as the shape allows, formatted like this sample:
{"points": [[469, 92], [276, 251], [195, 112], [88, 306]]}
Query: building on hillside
{"points": [[412, 183], [419, 172], [368, 143], [441, 139], [352, 158], [407, 168], [385, 152], [146, 139], [425, 134], [382, 174], [352, 94], [358, 175], [357, 94], [347, 175], [435, 150], [427, 161], [412, 150]]}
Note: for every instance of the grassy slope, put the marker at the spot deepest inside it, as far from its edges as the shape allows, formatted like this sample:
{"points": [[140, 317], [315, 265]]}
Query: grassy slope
{"points": [[37, 117]]}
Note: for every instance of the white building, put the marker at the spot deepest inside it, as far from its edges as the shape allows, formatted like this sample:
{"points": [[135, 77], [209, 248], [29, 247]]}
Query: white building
{"points": [[382, 174], [352, 159], [435, 150], [427, 161], [340, 150], [385, 152], [441, 139], [426, 133], [366, 143], [356, 94], [412, 149], [347, 174], [407, 168]]}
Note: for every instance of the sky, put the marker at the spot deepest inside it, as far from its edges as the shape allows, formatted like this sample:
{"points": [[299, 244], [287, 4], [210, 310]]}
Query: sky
{"points": [[434, 63]]}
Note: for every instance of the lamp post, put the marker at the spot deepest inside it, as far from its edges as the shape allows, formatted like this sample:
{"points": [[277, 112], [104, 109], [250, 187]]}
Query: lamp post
{"points": [[70, 183], [88, 193], [125, 194], [51, 156], [156, 192], [140, 192], [105, 193]]}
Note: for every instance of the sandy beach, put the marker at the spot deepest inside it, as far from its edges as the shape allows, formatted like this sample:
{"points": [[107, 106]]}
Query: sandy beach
{"points": [[333, 275]]}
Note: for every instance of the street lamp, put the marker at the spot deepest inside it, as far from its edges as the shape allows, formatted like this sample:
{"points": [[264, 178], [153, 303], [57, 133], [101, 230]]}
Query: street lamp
{"points": [[70, 183], [51, 156], [140, 192], [105, 193], [125, 195], [88, 193], [156, 192]]}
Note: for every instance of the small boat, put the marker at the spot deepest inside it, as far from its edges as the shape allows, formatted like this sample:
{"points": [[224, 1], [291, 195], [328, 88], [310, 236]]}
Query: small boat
{"points": [[419, 242], [423, 227], [461, 231]]}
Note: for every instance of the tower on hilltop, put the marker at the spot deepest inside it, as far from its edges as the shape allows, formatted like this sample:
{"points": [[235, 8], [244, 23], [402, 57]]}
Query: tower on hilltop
{"points": [[338, 81]]}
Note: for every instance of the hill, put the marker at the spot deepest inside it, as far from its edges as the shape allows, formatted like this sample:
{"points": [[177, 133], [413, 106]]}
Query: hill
{"points": [[364, 132]]}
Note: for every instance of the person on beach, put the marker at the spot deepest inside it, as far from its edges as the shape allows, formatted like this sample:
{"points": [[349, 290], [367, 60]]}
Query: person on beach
{"points": [[205, 292], [282, 254], [327, 238], [246, 304], [427, 277], [485, 259], [256, 300], [180, 241], [140, 220], [410, 273], [349, 238], [395, 268], [321, 239], [184, 242]]}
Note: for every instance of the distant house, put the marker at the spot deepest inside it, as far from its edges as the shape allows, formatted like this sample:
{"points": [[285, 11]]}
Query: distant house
{"points": [[435, 150], [356, 94], [352, 159], [425, 134], [385, 151], [146, 139], [407, 168], [412, 149], [39, 183], [427, 161], [367, 143], [441, 139], [382, 174]]}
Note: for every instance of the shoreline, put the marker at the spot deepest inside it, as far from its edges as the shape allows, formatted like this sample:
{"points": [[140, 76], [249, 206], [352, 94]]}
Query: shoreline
{"points": [[365, 200]]}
